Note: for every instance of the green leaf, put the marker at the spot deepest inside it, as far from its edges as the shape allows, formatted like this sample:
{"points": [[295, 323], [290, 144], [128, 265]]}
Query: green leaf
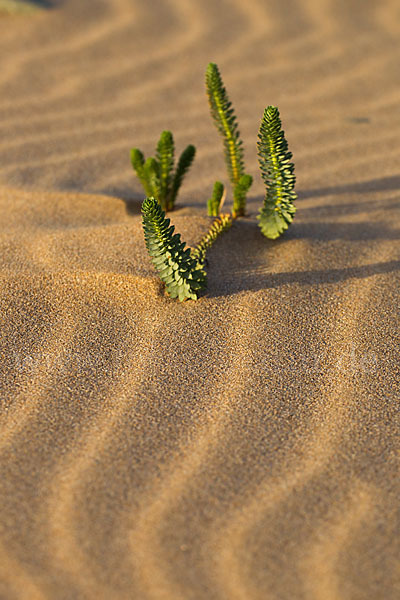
{"points": [[214, 203], [239, 195], [225, 120], [181, 273], [278, 174], [165, 160], [184, 164], [156, 174], [218, 226], [137, 160], [151, 171]]}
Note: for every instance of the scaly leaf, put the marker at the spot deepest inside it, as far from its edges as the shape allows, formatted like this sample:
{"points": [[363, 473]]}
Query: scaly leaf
{"points": [[151, 171], [184, 164], [221, 224], [182, 274], [278, 174], [239, 194], [226, 123], [156, 174], [137, 160], [165, 159], [214, 204]]}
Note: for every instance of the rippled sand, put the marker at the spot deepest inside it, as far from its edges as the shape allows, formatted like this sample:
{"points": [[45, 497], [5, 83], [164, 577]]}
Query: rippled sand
{"points": [[245, 446]]}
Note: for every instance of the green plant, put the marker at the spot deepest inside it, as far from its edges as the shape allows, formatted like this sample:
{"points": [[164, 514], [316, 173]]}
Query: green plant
{"points": [[221, 224], [214, 204], [278, 174], [182, 274], [182, 269], [226, 123], [157, 175]]}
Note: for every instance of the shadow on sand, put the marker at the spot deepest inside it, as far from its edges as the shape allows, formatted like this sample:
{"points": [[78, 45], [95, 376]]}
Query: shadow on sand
{"points": [[373, 185], [242, 264], [241, 255], [133, 200]]}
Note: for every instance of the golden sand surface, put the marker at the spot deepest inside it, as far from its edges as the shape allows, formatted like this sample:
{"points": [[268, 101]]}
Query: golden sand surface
{"points": [[244, 446]]}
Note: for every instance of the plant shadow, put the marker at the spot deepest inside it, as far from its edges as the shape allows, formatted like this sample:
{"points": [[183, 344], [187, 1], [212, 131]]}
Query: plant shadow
{"points": [[46, 3], [240, 262], [133, 198], [133, 205], [364, 187]]}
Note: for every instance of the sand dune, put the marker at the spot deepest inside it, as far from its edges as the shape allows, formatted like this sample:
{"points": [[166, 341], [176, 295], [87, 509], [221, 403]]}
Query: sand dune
{"points": [[245, 446]]}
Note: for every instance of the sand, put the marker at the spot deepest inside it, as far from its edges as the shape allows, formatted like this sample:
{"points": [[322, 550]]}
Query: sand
{"points": [[244, 446], [18, 7]]}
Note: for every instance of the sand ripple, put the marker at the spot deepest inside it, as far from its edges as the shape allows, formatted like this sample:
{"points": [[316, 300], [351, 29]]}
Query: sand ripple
{"points": [[244, 447]]}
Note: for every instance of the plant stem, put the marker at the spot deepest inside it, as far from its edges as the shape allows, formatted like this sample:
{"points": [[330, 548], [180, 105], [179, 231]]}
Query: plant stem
{"points": [[218, 226]]}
